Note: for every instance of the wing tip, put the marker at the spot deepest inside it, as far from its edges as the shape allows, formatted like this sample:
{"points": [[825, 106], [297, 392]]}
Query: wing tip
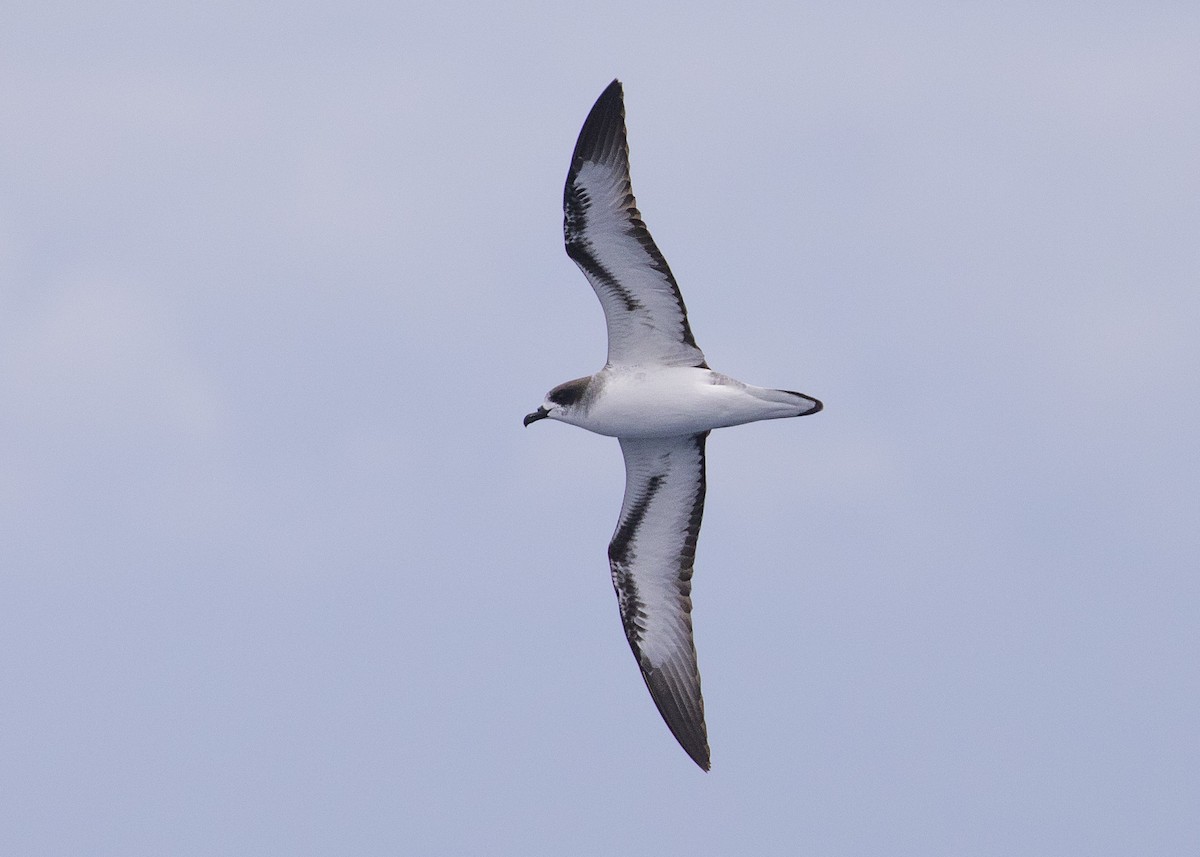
{"points": [[696, 746], [612, 97], [682, 712], [701, 758], [602, 138]]}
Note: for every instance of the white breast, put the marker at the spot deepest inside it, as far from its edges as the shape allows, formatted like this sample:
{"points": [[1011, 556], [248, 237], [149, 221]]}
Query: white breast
{"points": [[668, 402]]}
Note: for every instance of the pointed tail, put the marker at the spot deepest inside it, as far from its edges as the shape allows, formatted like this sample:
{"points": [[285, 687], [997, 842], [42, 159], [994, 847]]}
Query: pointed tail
{"points": [[803, 404]]}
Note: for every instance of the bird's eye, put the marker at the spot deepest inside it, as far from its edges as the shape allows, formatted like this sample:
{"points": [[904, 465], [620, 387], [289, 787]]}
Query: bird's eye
{"points": [[567, 394]]}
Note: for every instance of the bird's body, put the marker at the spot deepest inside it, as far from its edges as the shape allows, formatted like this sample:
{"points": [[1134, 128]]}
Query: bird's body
{"points": [[658, 396], [668, 401]]}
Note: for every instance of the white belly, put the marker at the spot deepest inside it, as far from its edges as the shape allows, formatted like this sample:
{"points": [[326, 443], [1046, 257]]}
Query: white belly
{"points": [[636, 402]]}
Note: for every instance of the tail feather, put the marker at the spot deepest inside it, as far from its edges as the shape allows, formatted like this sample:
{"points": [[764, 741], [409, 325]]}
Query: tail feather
{"points": [[803, 404], [807, 404]]}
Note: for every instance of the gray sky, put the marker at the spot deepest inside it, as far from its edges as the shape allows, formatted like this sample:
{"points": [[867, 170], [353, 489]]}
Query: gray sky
{"points": [[283, 574]]}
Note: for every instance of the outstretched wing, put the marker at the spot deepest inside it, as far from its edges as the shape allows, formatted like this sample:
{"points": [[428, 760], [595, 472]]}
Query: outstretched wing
{"points": [[605, 235], [651, 556]]}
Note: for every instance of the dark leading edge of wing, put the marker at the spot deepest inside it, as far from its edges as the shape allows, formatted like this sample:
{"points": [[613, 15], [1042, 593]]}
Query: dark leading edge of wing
{"points": [[651, 555], [605, 236]]}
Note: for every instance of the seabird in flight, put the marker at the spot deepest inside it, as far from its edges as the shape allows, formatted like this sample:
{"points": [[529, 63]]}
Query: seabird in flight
{"points": [[658, 397]]}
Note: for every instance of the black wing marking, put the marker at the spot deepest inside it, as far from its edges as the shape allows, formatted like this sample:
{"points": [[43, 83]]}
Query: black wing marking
{"points": [[651, 556], [605, 235]]}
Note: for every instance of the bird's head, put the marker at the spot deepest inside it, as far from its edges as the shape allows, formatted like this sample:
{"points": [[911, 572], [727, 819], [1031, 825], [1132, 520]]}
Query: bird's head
{"points": [[563, 402]]}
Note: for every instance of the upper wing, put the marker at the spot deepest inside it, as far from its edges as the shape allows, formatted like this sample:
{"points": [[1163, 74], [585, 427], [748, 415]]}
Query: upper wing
{"points": [[605, 235], [651, 556]]}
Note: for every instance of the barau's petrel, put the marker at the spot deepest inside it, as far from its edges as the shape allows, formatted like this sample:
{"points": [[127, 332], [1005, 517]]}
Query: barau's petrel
{"points": [[657, 396]]}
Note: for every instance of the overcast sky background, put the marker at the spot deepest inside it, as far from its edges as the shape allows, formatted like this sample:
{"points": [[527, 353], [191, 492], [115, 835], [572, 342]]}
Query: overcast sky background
{"points": [[283, 573]]}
